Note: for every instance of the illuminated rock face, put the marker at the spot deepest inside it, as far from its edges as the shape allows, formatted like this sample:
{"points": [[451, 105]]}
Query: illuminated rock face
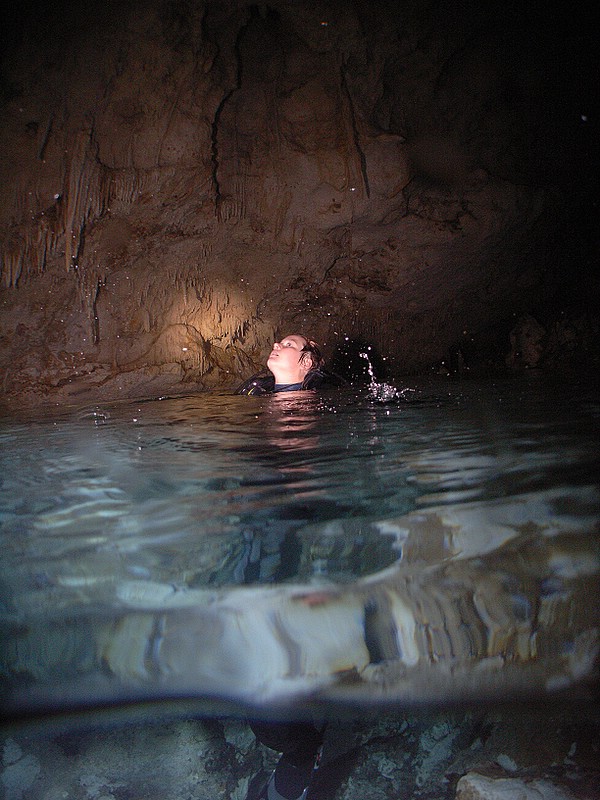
{"points": [[182, 183]]}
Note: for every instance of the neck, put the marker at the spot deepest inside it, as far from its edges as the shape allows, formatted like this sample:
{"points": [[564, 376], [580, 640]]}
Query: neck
{"points": [[286, 377]]}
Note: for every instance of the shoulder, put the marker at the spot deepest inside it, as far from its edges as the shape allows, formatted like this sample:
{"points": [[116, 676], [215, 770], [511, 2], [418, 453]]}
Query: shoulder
{"points": [[256, 385], [322, 379]]}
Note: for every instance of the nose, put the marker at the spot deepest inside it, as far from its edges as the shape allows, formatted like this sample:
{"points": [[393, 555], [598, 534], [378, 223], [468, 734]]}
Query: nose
{"points": [[276, 346]]}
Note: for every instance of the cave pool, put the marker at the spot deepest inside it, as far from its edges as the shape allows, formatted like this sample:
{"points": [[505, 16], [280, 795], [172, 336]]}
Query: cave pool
{"points": [[376, 546]]}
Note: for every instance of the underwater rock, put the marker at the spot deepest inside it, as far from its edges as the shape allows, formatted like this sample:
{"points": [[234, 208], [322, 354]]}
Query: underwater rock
{"points": [[162, 753], [480, 787]]}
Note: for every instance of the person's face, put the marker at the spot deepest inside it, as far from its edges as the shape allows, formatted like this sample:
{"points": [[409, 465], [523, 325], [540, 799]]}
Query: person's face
{"points": [[284, 361]]}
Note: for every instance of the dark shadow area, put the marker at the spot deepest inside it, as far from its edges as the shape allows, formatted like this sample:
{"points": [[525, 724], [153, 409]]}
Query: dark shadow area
{"points": [[349, 362]]}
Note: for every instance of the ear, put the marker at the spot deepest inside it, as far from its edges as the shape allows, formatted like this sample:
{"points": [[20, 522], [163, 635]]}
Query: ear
{"points": [[305, 363]]}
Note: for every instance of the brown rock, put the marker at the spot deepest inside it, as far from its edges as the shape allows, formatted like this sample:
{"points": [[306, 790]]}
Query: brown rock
{"points": [[182, 183]]}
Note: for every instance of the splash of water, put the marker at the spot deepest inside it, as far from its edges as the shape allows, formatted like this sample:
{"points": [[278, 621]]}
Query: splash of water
{"points": [[383, 392]]}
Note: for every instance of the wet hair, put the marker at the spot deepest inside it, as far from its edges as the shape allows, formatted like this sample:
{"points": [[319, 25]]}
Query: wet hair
{"points": [[312, 352]]}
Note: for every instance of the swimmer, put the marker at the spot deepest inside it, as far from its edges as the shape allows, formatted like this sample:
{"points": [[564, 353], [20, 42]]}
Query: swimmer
{"points": [[300, 745], [295, 364]]}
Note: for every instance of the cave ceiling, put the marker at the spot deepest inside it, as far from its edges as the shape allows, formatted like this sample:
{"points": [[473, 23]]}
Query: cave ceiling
{"points": [[185, 181]]}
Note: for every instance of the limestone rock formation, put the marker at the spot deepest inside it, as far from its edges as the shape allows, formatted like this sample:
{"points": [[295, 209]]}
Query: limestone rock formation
{"points": [[464, 755], [480, 787], [184, 180]]}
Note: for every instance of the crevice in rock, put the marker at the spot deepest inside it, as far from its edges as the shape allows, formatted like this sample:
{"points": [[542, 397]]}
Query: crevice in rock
{"points": [[95, 317], [219, 111], [355, 134], [46, 138], [215, 148]]}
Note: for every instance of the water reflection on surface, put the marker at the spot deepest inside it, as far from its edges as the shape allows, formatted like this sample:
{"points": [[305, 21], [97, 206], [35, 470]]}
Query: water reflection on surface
{"points": [[341, 548]]}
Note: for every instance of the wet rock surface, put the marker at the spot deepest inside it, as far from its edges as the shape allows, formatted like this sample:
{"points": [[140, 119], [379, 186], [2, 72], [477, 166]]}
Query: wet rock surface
{"points": [[184, 182], [476, 754]]}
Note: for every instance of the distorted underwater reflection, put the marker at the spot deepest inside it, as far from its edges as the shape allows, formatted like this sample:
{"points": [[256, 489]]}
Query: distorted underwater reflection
{"points": [[280, 553]]}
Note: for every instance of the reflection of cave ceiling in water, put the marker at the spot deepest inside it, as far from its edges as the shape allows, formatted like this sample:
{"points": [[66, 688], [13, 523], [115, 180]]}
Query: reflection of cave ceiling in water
{"points": [[456, 618]]}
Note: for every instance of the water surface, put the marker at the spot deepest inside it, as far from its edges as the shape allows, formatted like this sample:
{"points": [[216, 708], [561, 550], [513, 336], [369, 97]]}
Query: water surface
{"points": [[433, 542]]}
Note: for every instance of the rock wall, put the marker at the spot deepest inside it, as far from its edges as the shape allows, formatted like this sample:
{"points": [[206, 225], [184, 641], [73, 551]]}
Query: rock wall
{"points": [[184, 181]]}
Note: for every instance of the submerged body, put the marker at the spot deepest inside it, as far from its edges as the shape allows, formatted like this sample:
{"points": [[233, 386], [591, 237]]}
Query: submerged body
{"points": [[447, 549]]}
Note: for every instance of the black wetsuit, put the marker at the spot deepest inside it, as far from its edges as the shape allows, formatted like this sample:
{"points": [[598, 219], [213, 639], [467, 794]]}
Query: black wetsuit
{"points": [[264, 383], [300, 741]]}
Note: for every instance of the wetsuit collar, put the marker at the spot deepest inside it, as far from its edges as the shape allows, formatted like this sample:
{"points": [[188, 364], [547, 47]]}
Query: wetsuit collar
{"points": [[287, 387]]}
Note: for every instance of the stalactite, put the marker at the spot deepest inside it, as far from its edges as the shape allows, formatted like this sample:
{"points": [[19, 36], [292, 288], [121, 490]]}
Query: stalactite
{"points": [[215, 152], [187, 281], [29, 255], [228, 207], [284, 203], [85, 196], [90, 283], [12, 266], [126, 185], [231, 324], [47, 241], [187, 315], [240, 191], [240, 332]]}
